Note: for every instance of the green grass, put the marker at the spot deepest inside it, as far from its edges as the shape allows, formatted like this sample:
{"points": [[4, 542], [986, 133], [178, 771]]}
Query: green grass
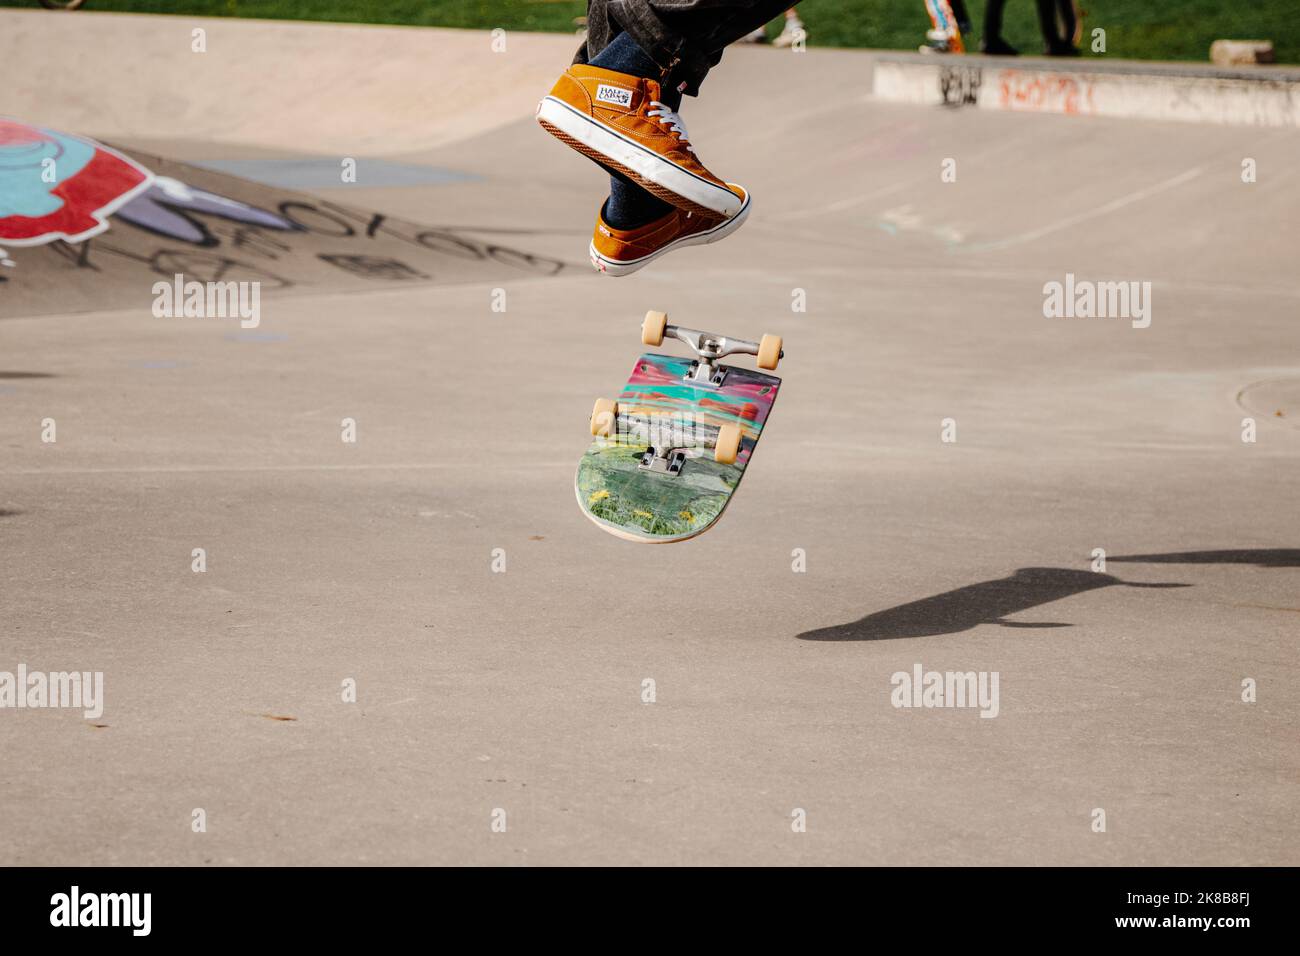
{"points": [[1136, 29], [550, 15]]}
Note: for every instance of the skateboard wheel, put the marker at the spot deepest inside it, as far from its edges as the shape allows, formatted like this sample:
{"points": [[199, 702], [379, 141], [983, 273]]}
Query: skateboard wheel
{"points": [[769, 351], [603, 416], [728, 444], [652, 329]]}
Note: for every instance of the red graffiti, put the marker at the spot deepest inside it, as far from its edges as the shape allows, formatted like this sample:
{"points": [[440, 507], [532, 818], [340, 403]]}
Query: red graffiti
{"points": [[1045, 92], [58, 186]]}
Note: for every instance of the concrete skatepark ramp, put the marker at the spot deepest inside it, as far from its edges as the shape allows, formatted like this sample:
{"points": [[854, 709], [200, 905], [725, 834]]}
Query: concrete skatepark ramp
{"points": [[212, 227], [1098, 506]]}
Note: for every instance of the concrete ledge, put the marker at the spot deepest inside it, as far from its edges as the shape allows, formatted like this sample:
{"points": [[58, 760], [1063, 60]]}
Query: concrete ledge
{"points": [[1190, 93]]}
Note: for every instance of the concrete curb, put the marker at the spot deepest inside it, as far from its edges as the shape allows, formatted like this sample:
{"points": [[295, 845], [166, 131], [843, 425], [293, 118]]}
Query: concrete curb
{"points": [[1188, 93]]}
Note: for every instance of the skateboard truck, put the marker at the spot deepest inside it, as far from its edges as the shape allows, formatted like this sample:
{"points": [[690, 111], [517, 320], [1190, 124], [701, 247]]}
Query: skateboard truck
{"points": [[665, 463], [668, 458], [710, 347]]}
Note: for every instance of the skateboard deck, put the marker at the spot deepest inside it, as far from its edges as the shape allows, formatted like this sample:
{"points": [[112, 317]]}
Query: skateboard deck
{"points": [[660, 408], [944, 20]]}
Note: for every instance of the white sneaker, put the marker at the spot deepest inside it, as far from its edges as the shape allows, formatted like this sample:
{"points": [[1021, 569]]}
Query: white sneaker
{"points": [[791, 33]]}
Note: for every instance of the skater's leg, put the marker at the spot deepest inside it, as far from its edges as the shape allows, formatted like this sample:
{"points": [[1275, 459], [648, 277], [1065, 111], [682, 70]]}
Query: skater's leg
{"points": [[629, 206], [623, 55], [1047, 21], [1069, 24], [792, 32], [684, 38], [1054, 44], [993, 20], [993, 42], [618, 106], [959, 11]]}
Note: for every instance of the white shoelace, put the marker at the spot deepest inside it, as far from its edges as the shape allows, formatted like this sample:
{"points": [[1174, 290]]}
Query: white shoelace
{"points": [[674, 122]]}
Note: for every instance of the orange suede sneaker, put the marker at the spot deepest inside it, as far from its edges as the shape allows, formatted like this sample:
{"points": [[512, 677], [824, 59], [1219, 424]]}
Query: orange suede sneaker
{"points": [[618, 252], [618, 121]]}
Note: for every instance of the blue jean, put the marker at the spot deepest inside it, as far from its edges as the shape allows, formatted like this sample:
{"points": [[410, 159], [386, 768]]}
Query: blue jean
{"points": [[684, 38]]}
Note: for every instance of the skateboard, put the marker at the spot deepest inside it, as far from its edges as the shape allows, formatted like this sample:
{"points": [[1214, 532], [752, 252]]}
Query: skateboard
{"points": [[669, 452], [945, 37]]}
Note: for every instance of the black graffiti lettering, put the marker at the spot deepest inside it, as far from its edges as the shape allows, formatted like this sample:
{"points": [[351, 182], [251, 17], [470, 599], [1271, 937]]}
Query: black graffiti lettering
{"points": [[113, 250], [515, 257], [374, 267], [167, 230], [206, 267], [201, 266], [444, 241], [290, 204], [455, 246], [78, 255], [260, 243], [343, 212], [960, 85]]}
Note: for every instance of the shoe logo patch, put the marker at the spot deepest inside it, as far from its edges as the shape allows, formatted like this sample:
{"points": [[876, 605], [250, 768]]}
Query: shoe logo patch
{"points": [[614, 94]]}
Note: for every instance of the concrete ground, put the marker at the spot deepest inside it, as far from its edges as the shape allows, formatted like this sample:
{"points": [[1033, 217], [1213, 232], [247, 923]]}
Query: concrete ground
{"points": [[522, 690]]}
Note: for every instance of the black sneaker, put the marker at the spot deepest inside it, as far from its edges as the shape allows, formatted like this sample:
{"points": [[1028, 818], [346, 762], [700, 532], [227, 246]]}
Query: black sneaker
{"points": [[998, 47], [1061, 49]]}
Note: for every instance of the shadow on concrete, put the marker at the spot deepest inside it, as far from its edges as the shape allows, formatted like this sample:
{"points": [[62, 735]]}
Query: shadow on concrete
{"points": [[1260, 557], [989, 602], [18, 375]]}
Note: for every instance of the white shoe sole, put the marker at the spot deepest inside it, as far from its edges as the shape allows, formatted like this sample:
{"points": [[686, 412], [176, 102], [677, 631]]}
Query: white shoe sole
{"points": [[665, 179], [616, 267]]}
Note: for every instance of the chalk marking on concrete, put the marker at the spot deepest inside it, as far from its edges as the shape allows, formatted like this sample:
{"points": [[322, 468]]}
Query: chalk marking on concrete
{"points": [[918, 181], [1114, 204], [841, 204]]}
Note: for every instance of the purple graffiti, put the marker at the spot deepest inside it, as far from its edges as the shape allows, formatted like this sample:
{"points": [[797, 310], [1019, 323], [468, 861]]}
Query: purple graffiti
{"points": [[162, 209]]}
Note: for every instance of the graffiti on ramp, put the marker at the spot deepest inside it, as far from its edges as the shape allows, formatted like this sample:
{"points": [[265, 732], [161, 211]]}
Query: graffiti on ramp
{"points": [[167, 208], [57, 186], [176, 219]]}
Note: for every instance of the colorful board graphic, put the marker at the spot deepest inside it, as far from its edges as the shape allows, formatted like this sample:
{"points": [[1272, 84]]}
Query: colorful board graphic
{"points": [[57, 186], [946, 24], [658, 407]]}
